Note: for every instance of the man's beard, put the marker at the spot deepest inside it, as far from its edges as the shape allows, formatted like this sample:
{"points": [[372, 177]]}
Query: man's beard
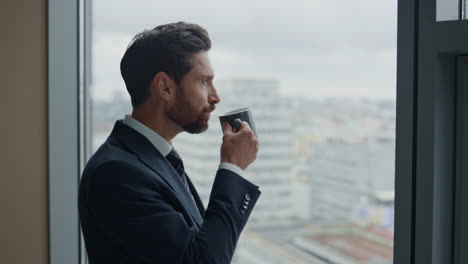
{"points": [[181, 111], [193, 127], [196, 127]]}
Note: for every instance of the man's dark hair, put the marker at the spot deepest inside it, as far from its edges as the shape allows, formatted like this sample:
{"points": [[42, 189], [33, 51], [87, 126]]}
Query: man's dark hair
{"points": [[166, 48]]}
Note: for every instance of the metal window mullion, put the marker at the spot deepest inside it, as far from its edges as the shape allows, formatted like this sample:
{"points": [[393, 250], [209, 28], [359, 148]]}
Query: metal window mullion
{"points": [[461, 191], [460, 9], [406, 130], [63, 131]]}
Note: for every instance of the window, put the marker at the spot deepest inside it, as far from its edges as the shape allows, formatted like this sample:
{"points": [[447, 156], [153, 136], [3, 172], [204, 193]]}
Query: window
{"points": [[429, 224], [322, 90]]}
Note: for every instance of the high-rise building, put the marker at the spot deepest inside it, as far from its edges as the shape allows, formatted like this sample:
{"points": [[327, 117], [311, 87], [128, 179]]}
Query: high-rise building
{"points": [[346, 173]]}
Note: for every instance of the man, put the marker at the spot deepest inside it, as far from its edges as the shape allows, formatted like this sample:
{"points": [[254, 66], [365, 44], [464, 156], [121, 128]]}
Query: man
{"points": [[136, 202]]}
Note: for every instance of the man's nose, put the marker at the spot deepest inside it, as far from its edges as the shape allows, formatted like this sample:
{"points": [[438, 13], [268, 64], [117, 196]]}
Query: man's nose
{"points": [[213, 98]]}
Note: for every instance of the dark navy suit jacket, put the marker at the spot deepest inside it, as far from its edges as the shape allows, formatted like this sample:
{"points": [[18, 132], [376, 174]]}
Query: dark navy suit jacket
{"points": [[134, 208]]}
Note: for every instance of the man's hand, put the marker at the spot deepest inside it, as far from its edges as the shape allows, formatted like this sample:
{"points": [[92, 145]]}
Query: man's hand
{"points": [[239, 148]]}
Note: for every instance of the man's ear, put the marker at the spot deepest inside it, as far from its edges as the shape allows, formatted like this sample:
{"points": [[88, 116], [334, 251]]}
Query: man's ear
{"points": [[163, 86]]}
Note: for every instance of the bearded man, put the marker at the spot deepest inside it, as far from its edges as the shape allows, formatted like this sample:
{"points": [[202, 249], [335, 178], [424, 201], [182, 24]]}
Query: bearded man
{"points": [[136, 202]]}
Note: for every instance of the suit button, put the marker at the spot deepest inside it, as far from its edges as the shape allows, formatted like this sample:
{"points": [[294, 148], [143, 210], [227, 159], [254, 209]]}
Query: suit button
{"points": [[243, 211], [245, 206], [247, 197], [245, 202]]}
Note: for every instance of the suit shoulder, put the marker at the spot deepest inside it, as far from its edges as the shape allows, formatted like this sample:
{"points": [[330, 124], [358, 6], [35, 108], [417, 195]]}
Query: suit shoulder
{"points": [[114, 172], [113, 160], [110, 152]]}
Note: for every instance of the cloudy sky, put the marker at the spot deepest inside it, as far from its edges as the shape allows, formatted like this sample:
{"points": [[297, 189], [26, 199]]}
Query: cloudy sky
{"points": [[315, 48]]}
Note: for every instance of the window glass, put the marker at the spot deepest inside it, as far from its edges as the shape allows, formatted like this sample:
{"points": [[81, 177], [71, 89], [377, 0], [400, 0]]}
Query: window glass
{"points": [[321, 83], [448, 10], [465, 10]]}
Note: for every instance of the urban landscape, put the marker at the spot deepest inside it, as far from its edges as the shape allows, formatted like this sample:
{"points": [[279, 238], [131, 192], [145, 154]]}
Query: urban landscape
{"points": [[325, 168]]}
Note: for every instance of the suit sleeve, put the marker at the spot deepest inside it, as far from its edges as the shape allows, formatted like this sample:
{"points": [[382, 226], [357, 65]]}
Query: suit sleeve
{"points": [[129, 204]]}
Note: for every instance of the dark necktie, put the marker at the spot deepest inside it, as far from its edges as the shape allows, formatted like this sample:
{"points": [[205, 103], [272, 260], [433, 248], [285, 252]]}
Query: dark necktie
{"points": [[176, 162]]}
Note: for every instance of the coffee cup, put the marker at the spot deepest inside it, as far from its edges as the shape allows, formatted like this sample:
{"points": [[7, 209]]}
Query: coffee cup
{"points": [[235, 117]]}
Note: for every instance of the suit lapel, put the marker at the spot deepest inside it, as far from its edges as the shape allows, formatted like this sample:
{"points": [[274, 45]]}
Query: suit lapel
{"points": [[152, 158]]}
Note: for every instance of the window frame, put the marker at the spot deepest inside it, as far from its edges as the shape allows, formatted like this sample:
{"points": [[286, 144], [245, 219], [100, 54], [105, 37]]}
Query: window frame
{"points": [[65, 121], [461, 184], [405, 138], [426, 127], [424, 45]]}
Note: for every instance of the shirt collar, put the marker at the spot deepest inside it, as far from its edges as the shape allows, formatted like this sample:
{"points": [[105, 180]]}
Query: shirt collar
{"points": [[158, 142]]}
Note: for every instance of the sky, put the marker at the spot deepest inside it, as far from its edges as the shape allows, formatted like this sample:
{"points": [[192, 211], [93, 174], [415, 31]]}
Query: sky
{"points": [[315, 48]]}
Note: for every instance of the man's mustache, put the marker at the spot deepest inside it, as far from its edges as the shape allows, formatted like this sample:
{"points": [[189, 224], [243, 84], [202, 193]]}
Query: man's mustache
{"points": [[212, 108]]}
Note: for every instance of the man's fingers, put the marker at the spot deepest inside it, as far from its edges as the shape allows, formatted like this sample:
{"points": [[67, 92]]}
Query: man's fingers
{"points": [[244, 125], [227, 129], [238, 124]]}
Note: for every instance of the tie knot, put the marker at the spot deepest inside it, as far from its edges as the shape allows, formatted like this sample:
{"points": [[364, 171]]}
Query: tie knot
{"points": [[174, 155], [175, 160]]}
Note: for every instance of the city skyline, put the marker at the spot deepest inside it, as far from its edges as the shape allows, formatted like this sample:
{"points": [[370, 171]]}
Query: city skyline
{"points": [[326, 177]]}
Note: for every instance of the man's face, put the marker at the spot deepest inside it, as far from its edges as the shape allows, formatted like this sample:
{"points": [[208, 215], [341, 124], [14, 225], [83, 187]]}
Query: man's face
{"points": [[196, 96]]}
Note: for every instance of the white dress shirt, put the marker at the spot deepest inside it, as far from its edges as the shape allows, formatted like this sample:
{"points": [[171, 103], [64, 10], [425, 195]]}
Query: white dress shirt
{"points": [[165, 147]]}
